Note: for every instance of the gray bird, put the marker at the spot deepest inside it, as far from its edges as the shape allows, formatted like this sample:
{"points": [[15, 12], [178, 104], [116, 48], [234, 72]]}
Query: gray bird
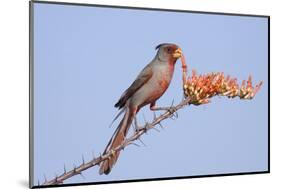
{"points": [[148, 87]]}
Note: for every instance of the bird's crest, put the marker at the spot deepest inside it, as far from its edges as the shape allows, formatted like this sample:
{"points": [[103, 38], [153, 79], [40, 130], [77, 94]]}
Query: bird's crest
{"points": [[162, 44]]}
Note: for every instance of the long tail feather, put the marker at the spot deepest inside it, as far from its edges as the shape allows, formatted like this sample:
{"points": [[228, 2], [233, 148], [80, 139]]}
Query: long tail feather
{"points": [[116, 140], [116, 117]]}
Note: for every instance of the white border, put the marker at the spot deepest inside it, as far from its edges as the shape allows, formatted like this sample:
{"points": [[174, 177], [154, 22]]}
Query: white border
{"points": [[14, 92]]}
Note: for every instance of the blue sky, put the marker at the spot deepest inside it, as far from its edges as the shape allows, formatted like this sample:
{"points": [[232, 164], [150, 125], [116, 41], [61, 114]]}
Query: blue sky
{"points": [[85, 57]]}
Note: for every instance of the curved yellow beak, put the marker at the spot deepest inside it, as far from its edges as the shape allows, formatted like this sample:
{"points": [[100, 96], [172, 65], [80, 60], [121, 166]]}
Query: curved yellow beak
{"points": [[177, 53]]}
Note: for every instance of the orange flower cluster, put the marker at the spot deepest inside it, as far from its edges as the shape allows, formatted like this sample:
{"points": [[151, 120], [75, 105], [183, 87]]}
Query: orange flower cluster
{"points": [[200, 88]]}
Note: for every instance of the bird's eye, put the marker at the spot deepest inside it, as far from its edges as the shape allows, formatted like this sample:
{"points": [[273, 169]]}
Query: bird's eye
{"points": [[169, 50]]}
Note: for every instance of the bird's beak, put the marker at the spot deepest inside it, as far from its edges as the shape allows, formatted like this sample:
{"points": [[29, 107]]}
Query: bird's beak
{"points": [[177, 53]]}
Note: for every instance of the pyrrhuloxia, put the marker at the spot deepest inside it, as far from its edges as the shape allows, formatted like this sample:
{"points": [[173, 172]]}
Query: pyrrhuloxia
{"points": [[148, 87]]}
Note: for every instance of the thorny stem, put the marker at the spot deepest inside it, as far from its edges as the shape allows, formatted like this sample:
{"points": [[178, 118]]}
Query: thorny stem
{"points": [[96, 161], [198, 89]]}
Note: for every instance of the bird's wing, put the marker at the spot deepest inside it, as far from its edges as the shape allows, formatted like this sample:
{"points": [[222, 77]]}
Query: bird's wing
{"points": [[142, 78]]}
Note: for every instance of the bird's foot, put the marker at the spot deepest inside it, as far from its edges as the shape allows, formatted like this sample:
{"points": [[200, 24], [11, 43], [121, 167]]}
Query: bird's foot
{"points": [[172, 109]]}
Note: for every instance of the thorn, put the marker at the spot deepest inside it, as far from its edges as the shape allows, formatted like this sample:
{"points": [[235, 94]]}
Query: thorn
{"points": [[161, 125], [56, 177], [38, 183], [156, 129], [135, 144], [64, 169], [142, 142], [100, 157], [154, 115], [176, 114], [82, 175], [74, 168], [97, 161], [83, 160], [45, 178], [148, 126], [144, 118], [93, 155]]}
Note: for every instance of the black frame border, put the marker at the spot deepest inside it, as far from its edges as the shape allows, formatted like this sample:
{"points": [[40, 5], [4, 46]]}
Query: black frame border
{"points": [[31, 92]]}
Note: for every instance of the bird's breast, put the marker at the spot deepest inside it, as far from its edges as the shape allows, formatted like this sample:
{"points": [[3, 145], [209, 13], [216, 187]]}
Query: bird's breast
{"points": [[161, 82], [155, 87], [164, 76]]}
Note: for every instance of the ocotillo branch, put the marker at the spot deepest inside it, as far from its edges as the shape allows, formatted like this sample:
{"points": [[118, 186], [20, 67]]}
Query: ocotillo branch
{"points": [[198, 89]]}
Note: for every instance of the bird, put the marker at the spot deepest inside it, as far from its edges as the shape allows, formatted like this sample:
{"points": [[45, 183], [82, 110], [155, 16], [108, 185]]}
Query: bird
{"points": [[147, 88]]}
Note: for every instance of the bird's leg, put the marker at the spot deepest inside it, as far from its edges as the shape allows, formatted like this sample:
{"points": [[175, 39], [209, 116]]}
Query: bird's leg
{"points": [[137, 128], [171, 109]]}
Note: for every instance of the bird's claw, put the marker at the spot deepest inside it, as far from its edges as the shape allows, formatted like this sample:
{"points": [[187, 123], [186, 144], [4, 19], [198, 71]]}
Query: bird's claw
{"points": [[173, 111]]}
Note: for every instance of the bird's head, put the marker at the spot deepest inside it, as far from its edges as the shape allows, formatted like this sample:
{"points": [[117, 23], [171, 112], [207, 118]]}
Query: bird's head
{"points": [[168, 52]]}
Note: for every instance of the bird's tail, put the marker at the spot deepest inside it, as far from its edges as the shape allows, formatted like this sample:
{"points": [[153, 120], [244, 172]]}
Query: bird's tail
{"points": [[116, 140]]}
